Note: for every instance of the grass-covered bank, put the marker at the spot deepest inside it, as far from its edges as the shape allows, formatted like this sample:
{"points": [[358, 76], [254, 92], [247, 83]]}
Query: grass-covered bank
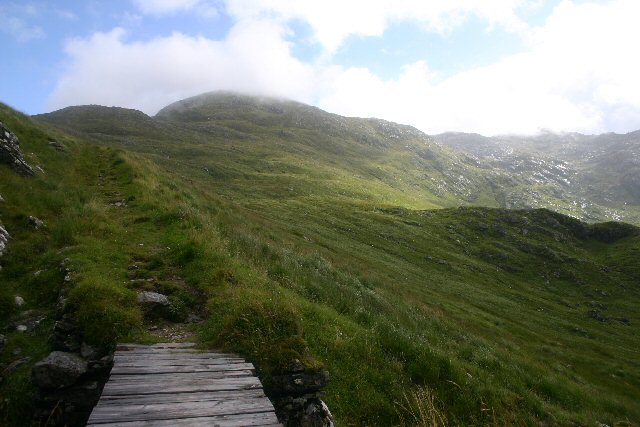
{"points": [[496, 325], [474, 315]]}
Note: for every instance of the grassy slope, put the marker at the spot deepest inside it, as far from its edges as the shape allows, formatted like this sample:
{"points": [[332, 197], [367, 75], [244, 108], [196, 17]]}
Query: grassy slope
{"points": [[487, 310]]}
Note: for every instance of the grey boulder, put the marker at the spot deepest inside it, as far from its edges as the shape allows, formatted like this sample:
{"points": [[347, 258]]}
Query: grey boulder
{"points": [[152, 299], [58, 369]]}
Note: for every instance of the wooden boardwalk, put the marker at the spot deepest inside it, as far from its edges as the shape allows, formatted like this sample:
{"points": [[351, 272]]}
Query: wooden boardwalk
{"points": [[175, 385]]}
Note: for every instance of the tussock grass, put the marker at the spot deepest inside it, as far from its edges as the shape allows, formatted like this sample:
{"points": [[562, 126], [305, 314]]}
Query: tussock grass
{"points": [[421, 408]]}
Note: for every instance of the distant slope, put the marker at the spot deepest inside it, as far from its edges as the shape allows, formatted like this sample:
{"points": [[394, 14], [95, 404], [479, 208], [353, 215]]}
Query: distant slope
{"points": [[266, 140], [98, 120], [230, 135], [594, 177]]}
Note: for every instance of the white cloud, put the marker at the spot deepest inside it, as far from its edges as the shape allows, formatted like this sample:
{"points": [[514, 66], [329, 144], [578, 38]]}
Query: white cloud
{"points": [[165, 7], [333, 21], [106, 69], [66, 14], [20, 30], [578, 73]]}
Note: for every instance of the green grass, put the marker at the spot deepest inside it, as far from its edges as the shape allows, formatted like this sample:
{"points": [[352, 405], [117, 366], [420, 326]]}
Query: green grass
{"points": [[323, 249]]}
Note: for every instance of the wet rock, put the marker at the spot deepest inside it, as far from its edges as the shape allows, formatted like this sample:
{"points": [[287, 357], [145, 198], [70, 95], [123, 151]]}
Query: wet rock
{"points": [[10, 153], [36, 222], [58, 369]]}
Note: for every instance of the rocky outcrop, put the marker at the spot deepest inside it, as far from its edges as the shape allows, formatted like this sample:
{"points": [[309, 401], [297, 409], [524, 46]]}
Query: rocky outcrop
{"points": [[57, 146], [36, 223], [10, 153], [297, 396], [69, 380], [69, 386], [4, 240]]}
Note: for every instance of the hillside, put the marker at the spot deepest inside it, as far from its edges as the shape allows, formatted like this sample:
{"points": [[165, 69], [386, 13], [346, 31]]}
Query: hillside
{"points": [[391, 163], [600, 174], [247, 140], [326, 247]]}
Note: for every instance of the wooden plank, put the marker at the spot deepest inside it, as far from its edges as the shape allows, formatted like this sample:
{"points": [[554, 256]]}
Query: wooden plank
{"points": [[157, 345], [174, 384], [240, 383], [182, 397], [179, 362], [169, 356], [264, 419], [159, 384], [125, 350], [163, 351], [141, 359], [169, 411], [168, 369], [185, 361], [179, 376], [142, 351]]}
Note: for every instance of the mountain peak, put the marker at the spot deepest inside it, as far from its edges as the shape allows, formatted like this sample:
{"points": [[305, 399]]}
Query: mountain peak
{"points": [[202, 106]]}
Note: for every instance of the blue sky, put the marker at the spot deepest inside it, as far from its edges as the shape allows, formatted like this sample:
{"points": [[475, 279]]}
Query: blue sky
{"points": [[491, 66]]}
